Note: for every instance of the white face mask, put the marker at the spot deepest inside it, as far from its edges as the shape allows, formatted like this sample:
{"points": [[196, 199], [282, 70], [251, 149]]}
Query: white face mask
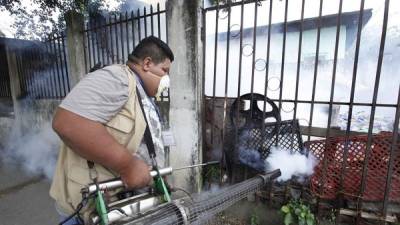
{"points": [[164, 85]]}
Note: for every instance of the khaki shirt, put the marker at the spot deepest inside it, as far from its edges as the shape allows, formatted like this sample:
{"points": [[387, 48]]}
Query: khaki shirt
{"points": [[72, 173]]}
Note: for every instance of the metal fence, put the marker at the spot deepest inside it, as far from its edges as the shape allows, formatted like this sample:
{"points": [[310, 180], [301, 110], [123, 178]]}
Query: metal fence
{"points": [[111, 39], [257, 47], [43, 70], [5, 90]]}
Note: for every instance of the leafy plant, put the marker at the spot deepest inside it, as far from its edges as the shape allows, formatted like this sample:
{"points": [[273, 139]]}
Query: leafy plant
{"points": [[296, 212], [332, 216], [213, 173], [254, 220]]}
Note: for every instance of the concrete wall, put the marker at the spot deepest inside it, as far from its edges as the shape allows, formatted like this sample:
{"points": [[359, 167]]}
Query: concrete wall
{"points": [[186, 93]]}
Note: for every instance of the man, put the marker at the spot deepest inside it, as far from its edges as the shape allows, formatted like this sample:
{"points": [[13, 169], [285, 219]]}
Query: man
{"points": [[101, 121]]}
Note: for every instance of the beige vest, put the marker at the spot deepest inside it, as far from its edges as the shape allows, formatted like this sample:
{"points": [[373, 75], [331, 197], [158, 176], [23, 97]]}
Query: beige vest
{"points": [[72, 172]]}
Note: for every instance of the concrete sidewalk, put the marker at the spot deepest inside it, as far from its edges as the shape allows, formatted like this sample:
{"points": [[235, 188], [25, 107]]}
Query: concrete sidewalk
{"points": [[24, 199]]}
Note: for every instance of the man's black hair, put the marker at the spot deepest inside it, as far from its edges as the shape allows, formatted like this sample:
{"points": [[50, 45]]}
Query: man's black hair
{"points": [[151, 47]]}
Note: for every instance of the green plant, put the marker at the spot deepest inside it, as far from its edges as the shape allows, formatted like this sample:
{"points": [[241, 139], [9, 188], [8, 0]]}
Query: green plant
{"points": [[213, 173], [254, 220], [332, 216], [296, 212]]}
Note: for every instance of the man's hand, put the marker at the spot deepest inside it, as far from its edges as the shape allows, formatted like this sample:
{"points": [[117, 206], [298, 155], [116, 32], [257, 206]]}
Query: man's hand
{"points": [[136, 174]]}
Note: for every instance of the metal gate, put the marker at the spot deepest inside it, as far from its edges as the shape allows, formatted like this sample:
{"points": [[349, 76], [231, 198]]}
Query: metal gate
{"points": [[333, 69], [110, 39]]}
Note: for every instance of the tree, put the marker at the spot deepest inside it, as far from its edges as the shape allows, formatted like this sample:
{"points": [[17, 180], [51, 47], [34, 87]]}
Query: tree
{"points": [[40, 18]]}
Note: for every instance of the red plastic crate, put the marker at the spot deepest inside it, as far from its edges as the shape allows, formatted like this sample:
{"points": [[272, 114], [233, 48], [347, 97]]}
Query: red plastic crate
{"points": [[357, 147]]}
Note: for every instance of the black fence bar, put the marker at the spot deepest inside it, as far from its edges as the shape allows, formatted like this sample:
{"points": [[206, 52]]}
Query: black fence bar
{"points": [[315, 65], [122, 37], [128, 49], [18, 61], [35, 77], [296, 93], [145, 21], [394, 152], [89, 62], [19, 66], [332, 94], [204, 39], [35, 73], [239, 78], [4, 76], [267, 58], [51, 70], [116, 39], [46, 72], [228, 37], [93, 42], [61, 66], [98, 47], [166, 29], [5, 90], [133, 30], [111, 42], [373, 108], [32, 75], [151, 20], [139, 26], [159, 21], [215, 72], [85, 52], [283, 56], [103, 41], [253, 56], [42, 76], [351, 103], [21, 73], [58, 66], [65, 66], [93, 38], [24, 69], [334, 70]]}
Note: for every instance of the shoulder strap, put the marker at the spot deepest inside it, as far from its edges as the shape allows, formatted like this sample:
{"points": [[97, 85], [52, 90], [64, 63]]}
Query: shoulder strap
{"points": [[147, 137], [147, 133]]}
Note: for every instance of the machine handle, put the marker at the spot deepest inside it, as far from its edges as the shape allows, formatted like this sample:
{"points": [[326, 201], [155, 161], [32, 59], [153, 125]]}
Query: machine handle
{"points": [[117, 182]]}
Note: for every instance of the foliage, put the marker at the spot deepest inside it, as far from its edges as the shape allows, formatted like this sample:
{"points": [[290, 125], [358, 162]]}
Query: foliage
{"points": [[332, 216], [254, 219], [296, 212], [41, 18], [213, 173]]}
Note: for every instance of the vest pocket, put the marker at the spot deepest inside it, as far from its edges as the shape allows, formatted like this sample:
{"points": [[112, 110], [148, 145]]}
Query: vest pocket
{"points": [[121, 128], [78, 177]]}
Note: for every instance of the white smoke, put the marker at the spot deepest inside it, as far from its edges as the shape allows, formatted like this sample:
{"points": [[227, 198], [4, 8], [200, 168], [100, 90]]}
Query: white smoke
{"points": [[290, 163], [36, 151]]}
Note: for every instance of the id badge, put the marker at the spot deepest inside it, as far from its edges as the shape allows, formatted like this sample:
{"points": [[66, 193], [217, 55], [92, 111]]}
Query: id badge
{"points": [[168, 138]]}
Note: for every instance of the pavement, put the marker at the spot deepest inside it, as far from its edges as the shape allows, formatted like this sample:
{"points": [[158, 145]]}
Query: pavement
{"points": [[24, 198]]}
